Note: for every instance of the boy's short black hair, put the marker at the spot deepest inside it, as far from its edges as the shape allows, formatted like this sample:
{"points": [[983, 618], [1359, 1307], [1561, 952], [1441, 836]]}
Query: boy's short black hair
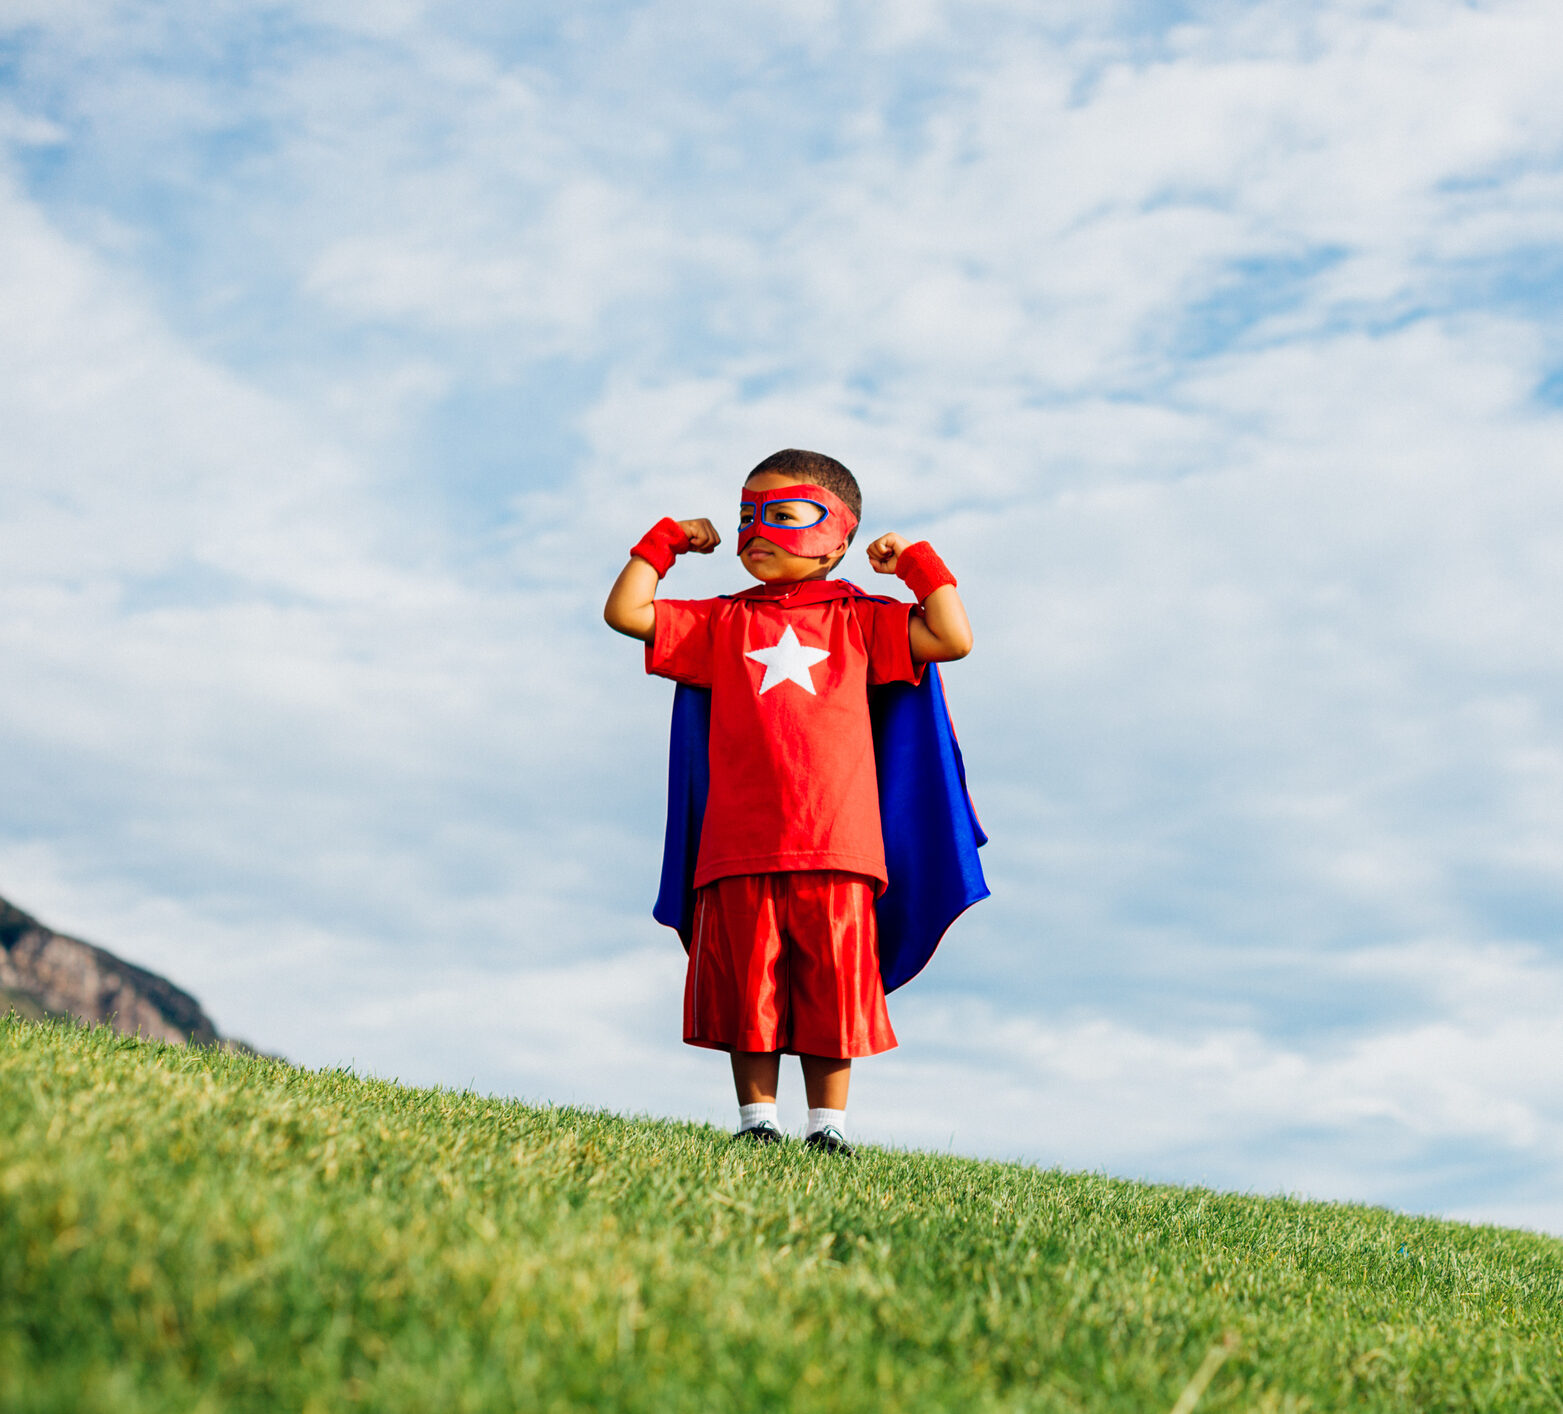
{"points": [[821, 470]]}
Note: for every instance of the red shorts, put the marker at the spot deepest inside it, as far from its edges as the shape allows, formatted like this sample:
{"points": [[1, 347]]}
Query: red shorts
{"points": [[787, 962]]}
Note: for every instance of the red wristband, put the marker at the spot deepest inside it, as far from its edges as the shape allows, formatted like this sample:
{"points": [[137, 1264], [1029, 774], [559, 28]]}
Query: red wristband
{"points": [[921, 570], [658, 546]]}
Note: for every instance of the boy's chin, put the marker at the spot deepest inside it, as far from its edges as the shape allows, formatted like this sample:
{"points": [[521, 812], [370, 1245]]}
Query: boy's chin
{"points": [[776, 568]]}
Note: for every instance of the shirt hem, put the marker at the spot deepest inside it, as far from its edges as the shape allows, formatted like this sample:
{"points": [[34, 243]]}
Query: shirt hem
{"points": [[790, 863]]}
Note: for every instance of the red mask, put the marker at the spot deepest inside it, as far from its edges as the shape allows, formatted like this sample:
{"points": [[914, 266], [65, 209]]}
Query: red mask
{"points": [[812, 539]]}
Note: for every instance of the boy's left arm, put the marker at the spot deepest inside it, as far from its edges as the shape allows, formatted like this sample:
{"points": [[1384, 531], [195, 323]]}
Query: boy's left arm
{"points": [[941, 633]]}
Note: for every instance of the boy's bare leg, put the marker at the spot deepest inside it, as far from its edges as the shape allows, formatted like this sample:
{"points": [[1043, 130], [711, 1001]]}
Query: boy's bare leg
{"points": [[755, 1074], [825, 1081]]}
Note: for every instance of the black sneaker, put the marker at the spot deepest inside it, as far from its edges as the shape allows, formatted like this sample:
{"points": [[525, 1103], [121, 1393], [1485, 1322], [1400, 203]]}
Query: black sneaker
{"points": [[830, 1140], [762, 1133]]}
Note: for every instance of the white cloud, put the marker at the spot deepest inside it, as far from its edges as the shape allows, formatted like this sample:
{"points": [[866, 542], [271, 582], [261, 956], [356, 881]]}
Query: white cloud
{"points": [[216, 666]]}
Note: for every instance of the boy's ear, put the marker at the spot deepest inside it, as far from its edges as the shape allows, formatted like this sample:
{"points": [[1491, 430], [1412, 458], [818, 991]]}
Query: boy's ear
{"points": [[837, 556]]}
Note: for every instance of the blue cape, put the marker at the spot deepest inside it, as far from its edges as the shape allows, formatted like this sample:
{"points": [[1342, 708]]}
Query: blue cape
{"points": [[931, 831]]}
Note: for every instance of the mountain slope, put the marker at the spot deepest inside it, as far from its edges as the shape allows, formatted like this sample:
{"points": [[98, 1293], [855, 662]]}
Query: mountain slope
{"points": [[44, 973], [184, 1228]]}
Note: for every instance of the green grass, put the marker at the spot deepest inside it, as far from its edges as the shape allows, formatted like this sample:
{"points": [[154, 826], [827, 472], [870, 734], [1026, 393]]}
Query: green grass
{"points": [[192, 1230]]}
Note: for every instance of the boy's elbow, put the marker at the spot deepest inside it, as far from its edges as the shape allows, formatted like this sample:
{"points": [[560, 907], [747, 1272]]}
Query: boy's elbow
{"points": [[632, 623], [943, 650], [957, 645], [944, 647]]}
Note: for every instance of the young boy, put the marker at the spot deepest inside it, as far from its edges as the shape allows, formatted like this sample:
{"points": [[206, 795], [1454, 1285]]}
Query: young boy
{"points": [[783, 953]]}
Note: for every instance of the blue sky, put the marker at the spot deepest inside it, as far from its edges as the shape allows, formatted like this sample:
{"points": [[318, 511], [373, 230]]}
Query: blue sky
{"points": [[346, 348]]}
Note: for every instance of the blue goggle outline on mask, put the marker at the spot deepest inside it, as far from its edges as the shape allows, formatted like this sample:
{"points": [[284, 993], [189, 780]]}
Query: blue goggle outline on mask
{"points": [[746, 514]]}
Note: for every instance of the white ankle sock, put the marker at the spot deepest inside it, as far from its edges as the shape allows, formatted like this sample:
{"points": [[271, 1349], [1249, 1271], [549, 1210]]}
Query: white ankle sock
{"points": [[751, 1115], [818, 1119]]}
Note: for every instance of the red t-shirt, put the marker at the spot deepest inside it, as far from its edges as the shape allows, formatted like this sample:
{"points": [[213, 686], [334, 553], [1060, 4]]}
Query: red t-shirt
{"points": [[793, 784]]}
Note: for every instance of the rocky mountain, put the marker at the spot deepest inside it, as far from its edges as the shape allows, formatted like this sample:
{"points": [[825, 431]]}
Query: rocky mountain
{"points": [[44, 973]]}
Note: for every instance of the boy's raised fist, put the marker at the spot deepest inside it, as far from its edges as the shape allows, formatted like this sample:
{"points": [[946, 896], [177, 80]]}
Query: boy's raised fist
{"points": [[703, 538], [885, 552]]}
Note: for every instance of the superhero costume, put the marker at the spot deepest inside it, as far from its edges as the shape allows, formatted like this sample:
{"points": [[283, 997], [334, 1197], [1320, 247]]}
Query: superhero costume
{"points": [[923, 855]]}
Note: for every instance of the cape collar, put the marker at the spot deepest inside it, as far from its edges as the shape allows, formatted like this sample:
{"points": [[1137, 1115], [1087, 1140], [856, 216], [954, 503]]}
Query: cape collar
{"points": [[802, 591]]}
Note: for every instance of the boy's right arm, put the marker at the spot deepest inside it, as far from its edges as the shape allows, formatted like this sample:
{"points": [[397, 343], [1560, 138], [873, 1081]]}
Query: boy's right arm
{"points": [[629, 608]]}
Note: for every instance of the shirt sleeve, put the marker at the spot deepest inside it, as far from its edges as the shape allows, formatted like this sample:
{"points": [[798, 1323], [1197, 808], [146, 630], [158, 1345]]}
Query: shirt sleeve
{"points": [[887, 632], [681, 646]]}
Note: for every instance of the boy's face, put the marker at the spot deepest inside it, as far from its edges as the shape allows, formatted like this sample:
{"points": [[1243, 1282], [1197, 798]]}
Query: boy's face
{"points": [[768, 562]]}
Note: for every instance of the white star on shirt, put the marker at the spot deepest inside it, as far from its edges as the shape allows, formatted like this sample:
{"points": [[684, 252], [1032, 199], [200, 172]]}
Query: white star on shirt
{"points": [[787, 661]]}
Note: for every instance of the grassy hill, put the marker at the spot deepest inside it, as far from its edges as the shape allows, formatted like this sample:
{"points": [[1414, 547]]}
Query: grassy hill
{"points": [[183, 1229]]}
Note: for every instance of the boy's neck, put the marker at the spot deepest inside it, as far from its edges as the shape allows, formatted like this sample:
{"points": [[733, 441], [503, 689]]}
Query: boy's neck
{"points": [[781, 587], [815, 576], [799, 591]]}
